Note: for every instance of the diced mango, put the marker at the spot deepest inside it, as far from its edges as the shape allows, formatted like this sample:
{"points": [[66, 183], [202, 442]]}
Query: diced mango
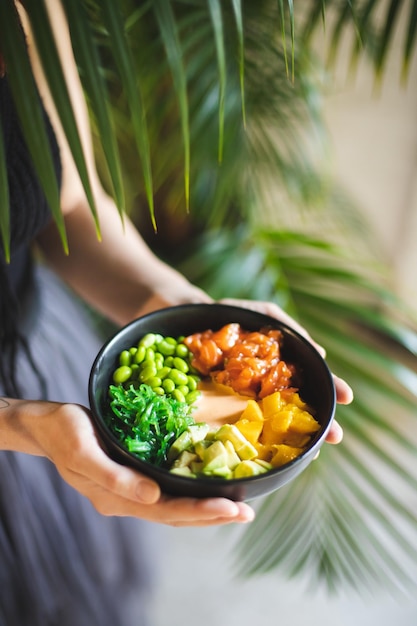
{"points": [[303, 422], [265, 453], [250, 429], [284, 454], [281, 422], [252, 412], [268, 435], [272, 404], [295, 399]]}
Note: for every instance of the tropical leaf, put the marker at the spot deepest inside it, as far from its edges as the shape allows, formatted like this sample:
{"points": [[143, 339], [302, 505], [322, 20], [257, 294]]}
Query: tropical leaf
{"points": [[4, 200], [46, 47], [126, 65], [29, 109], [169, 34], [316, 526]]}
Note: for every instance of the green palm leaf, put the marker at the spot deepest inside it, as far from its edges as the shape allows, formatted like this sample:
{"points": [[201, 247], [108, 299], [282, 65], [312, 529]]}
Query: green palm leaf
{"points": [[316, 525], [126, 65], [216, 18], [237, 8], [29, 109], [48, 52], [4, 200], [169, 34]]}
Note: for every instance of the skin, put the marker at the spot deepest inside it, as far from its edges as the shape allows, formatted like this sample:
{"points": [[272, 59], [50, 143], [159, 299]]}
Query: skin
{"points": [[109, 275]]}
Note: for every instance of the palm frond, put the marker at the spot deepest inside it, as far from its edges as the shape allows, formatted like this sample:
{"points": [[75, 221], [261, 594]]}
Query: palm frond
{"points": [[29, 109], [48, 53], [88, 59], [4, 200], [353, 530]]}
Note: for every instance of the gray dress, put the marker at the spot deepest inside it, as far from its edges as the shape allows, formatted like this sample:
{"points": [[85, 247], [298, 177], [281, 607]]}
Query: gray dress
{"points": [[61, 563]]}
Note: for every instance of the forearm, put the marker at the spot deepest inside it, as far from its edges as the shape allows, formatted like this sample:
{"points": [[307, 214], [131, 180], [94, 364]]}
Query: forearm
{"points": [[18, 422], [118, 275]]}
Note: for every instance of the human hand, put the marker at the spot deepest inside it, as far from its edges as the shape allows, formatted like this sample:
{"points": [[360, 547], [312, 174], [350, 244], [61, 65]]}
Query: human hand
{"points": [[344, 394], [64, 433]]}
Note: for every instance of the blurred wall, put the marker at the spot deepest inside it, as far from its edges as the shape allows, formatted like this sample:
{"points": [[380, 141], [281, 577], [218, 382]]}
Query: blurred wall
{"points": [[374, 133]]}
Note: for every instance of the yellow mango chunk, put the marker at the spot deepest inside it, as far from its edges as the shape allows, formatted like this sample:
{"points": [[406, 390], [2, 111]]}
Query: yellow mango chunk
{"points": [[268, 435], [272, 404], [281, 422], [250, 429], [295, 399], [303, 422], [252, 412], [284, 454], [265, 453]]}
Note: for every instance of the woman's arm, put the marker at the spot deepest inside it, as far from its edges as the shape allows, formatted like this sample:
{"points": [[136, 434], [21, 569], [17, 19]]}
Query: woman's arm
{"points": [[119, 276]]}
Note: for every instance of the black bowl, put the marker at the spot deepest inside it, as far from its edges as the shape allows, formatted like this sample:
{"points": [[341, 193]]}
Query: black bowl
{"points": [[317, 389]]}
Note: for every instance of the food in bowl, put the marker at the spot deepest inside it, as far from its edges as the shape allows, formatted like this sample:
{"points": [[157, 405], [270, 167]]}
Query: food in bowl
{"points": [[160, 382], [218, 404]]}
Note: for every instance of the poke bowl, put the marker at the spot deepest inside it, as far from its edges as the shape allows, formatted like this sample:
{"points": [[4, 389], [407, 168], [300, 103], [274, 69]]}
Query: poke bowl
{"points": [[211, 400]]}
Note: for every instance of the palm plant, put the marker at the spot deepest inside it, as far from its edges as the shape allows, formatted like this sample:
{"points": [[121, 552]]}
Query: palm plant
{"points": [[218, 105]]}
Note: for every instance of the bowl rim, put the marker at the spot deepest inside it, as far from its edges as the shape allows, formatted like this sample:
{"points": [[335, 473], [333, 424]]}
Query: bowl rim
{"points": [[100, 423]]}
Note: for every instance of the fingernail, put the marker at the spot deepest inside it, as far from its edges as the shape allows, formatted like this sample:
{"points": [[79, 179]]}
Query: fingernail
{"points": [[147, 492]]}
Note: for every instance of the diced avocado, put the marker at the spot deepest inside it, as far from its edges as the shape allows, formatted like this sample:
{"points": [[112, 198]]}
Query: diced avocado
{"points": [[215, 456], [182, 443], [196, 467], [233, 458], [183, 471], [193, 434], [198, 431], [267, 466], [243, 447], [185, 459], [248, 468], [201, 446], [222, 472]]}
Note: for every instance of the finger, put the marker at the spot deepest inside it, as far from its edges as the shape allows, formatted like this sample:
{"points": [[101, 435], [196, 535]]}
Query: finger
{"points": [[273, 310], [344, 393], [173, 511], [335, 434], [87, 464]]}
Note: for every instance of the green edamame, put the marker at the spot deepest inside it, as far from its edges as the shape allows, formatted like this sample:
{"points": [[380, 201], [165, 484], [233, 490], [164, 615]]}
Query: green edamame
{"points": [[147, 340], [192, 397], [140, 354], [178, 395], [168, 385], [166, 348], [180, 364], [178, 377], [191, 383], [154, 381], [122, 374], [125, 357], [161, 362], [147, 373], [181, 350]]}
